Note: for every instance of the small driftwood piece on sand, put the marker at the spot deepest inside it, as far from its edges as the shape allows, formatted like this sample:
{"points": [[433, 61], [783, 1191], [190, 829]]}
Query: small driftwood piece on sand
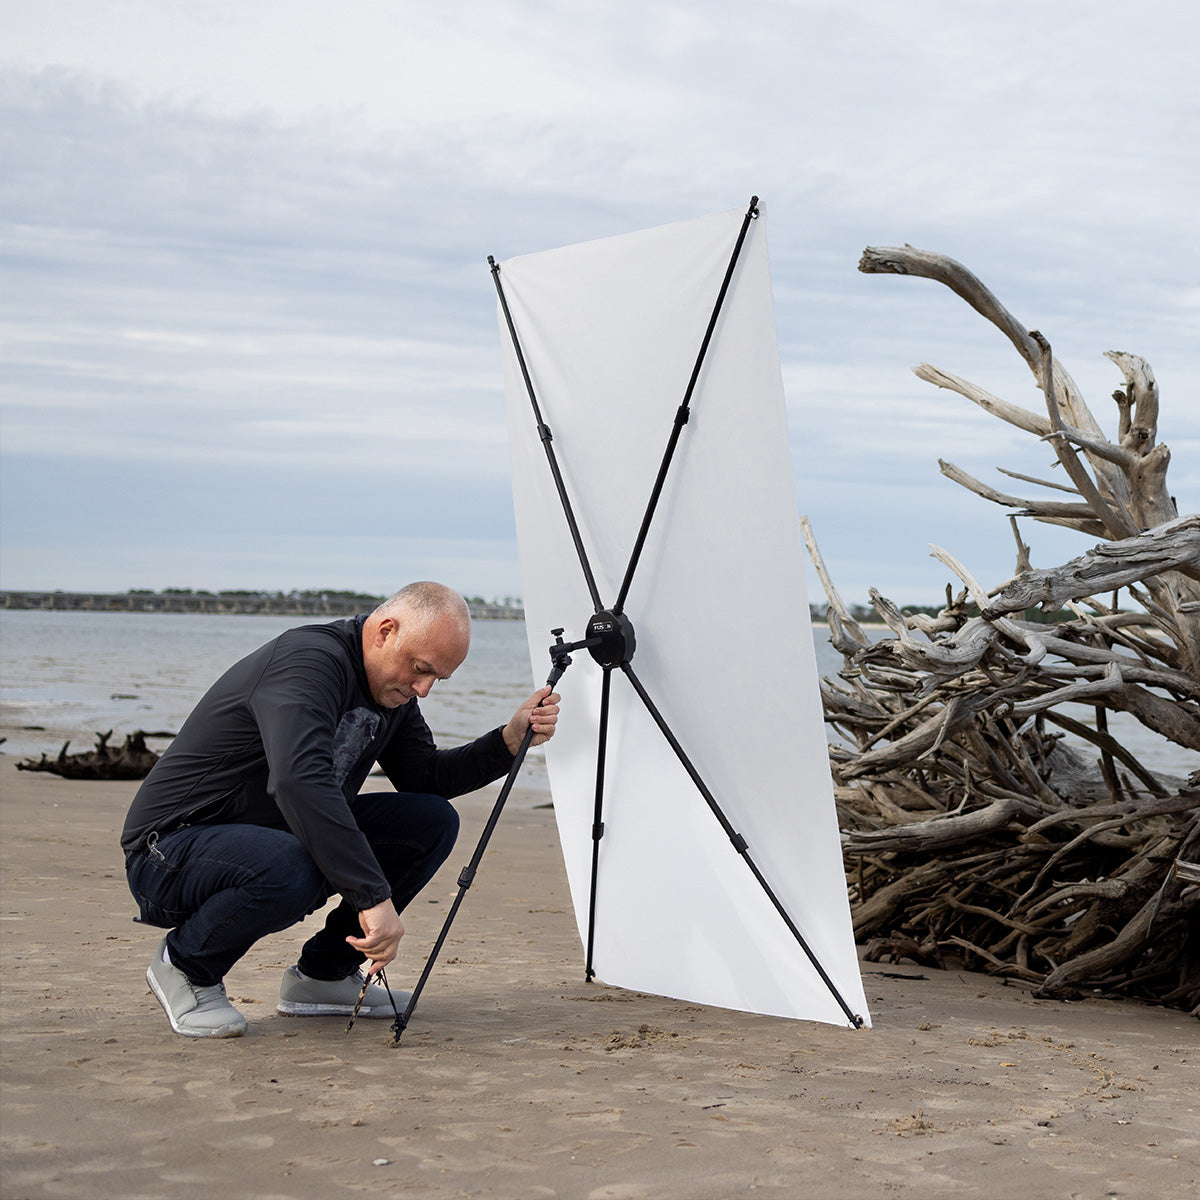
{"points": [[974, 834], [132, 761]]}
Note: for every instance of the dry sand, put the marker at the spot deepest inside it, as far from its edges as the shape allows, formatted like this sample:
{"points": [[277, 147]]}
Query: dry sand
{"points": [[517, 1079]]}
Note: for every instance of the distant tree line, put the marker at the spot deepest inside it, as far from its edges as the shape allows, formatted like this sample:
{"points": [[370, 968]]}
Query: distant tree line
{"points": [[365, 599], [327, 602]]}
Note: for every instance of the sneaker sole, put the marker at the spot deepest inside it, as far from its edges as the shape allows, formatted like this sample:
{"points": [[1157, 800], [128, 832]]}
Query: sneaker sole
{"points": [[221, 1031], [294, 1008]]}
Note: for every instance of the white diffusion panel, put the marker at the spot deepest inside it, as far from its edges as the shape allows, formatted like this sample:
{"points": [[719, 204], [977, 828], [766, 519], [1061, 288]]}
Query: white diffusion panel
{"points": [[610, 331]]}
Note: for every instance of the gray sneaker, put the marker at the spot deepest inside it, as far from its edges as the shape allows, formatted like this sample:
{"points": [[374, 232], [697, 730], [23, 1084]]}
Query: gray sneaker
{"points": [[300, 997], [193, 1011]]}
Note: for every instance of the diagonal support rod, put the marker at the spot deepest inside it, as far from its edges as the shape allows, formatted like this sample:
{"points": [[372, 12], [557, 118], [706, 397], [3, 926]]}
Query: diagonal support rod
{"points": [[547, 439], [739, 842], [684, 411]]}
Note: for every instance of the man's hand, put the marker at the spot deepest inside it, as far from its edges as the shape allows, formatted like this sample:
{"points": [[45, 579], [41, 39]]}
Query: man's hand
{"points": [[540, 711], [382, 931]]}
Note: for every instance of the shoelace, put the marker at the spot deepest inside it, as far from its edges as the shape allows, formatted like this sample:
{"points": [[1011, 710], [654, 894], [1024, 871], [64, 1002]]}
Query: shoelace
{"points": [[209, 995]]}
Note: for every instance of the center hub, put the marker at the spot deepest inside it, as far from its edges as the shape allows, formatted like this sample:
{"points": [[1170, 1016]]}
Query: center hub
{"points": [[617, 643]]}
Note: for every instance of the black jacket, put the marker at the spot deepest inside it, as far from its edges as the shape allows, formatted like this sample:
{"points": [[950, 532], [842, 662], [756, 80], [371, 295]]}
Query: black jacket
{"points": [[285, 738]]}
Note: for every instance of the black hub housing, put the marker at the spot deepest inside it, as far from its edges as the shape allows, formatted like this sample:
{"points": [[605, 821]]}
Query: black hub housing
{"points": [[616, 644]]}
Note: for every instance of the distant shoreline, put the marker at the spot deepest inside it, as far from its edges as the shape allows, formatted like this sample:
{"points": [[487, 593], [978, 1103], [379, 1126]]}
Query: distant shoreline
{"points": [[274, 604]]}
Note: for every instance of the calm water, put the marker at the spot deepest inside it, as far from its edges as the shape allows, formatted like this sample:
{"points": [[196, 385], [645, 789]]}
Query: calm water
{"points": [[75, 673]]}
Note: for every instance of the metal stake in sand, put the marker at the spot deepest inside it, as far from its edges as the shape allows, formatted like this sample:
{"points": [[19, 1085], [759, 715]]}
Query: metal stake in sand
{"points": [[560, 655], [362, 995]]}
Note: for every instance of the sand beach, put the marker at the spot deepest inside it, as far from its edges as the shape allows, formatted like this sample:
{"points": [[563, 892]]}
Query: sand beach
{"points": [[518, 1079]]}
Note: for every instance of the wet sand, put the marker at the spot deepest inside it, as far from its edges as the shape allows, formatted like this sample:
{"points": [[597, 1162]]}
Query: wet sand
{"points": [[518, 1079]]}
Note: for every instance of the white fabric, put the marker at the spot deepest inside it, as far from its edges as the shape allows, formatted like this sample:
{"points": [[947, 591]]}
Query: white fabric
{"points": [[610, 331]]}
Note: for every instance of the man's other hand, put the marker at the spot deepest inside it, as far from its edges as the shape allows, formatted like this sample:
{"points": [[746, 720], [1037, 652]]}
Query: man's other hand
{"points": [[382, 931]]}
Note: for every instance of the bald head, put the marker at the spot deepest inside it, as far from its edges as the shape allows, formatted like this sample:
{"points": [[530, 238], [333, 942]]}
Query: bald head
{"points": [[414, 638], [423, 602]]}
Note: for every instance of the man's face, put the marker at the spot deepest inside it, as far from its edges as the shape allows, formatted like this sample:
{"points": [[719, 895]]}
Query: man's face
{"points": [[403, 661]]}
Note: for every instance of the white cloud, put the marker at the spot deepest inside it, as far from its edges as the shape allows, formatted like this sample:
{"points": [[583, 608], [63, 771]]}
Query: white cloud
{"points": [[235, 234]]}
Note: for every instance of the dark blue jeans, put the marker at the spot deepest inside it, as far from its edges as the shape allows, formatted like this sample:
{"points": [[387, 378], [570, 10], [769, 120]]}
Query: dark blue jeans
{"points": [[220, 888]]}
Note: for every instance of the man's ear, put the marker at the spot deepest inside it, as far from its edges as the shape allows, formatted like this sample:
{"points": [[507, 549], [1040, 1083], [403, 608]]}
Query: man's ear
{"points": [[385, 629]]}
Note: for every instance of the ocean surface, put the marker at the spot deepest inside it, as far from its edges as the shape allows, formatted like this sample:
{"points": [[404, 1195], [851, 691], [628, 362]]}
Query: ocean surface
{"points": [[68, 675]]}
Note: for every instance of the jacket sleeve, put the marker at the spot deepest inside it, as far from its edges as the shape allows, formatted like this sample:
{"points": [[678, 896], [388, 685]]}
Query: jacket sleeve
{"points": [[414, 764], [296, 705]]}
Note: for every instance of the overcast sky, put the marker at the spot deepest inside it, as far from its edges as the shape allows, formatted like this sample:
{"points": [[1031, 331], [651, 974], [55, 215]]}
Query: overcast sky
{"points": [[249, 335]]}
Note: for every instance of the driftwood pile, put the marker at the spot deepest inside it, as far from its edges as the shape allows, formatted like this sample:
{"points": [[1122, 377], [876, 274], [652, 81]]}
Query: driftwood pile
{"points": [[132, 761], [975, 835]]}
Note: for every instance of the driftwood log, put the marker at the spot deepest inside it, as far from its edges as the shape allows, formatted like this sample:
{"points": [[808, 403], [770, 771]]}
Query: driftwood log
{"points": [[132, 761], [975, 833]]}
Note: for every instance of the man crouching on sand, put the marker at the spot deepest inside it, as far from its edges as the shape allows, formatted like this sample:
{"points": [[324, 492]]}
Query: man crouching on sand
{"points": [[252, 818]]}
